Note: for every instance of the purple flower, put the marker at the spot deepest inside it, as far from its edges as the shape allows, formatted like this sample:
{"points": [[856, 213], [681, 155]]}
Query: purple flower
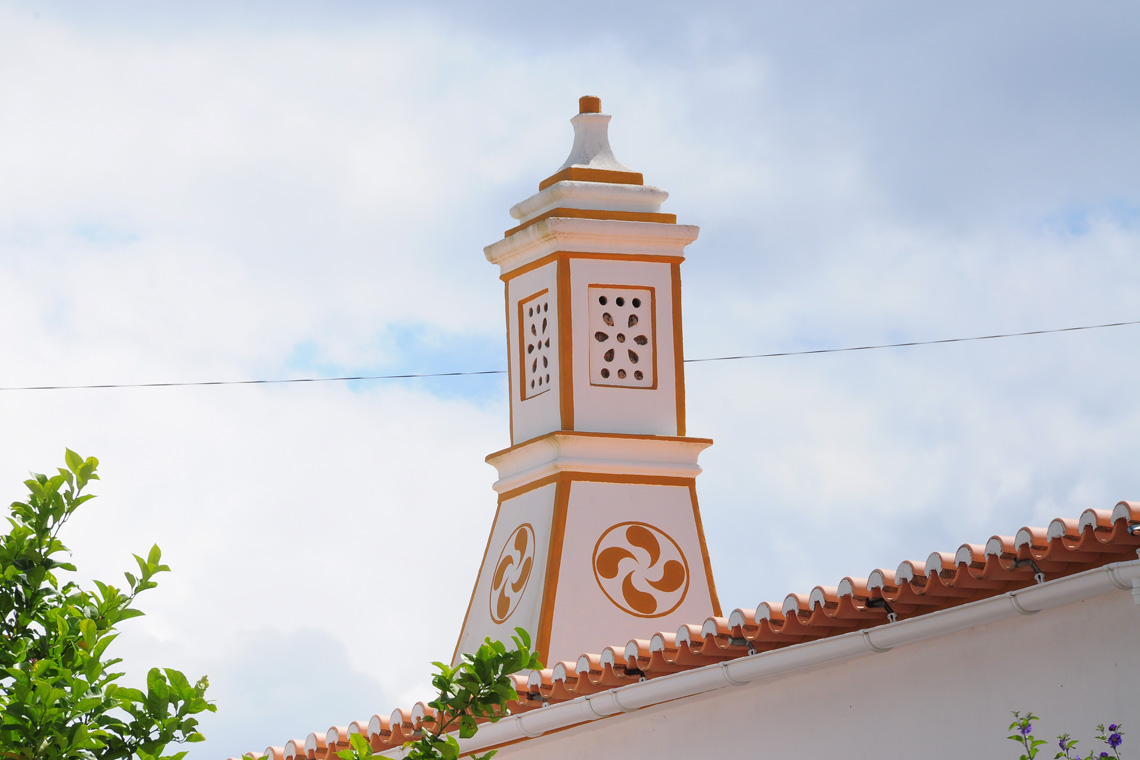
{"points": [[1026, 729], [1113, 727], [1103, 754], [1114, 740]]}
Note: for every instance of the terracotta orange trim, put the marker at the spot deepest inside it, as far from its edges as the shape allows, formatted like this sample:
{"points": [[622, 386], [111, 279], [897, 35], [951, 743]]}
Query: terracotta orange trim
{"points": [[510, 373], [522, 346], [640, 480], [583, 174], [508, 495], [581, 213], [704, 551], [678, 348], [652, 327], [588, 434], [623, 257], [560, 255], [479, 575], [536, 264], [565, 346], [553, 568]]}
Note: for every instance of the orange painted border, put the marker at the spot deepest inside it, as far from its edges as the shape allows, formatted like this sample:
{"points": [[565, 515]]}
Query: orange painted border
{"points": [[584, 174], [640, 480], [563, 482], [522, 351], [581, 213], [536, 264], [589, 434], [565, 346], [508, 495], [510, 372], [553, 568], [704, 550], [559, 255], [482, 564], [678, 348], [652, 326]]}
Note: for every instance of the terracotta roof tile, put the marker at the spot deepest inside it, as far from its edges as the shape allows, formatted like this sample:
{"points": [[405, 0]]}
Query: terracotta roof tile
{"points": [[379, 731], [293, 749], [974, 572], [315, 744]]}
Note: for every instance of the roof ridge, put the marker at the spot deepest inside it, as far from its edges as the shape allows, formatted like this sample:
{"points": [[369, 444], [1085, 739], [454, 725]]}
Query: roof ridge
{"points": [[974, 572]]}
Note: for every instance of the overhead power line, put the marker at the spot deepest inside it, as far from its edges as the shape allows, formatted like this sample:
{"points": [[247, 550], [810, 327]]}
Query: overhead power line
{"points": [[503, 371], [912, 343]]}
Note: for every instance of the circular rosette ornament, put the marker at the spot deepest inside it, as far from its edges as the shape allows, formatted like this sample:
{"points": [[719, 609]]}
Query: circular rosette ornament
{"points": [[512, 572], [641, 569]]}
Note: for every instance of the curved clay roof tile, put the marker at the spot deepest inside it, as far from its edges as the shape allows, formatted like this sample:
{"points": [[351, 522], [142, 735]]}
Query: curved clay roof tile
{"points": [[769, 611], [564, 671], [378, 728], [1126, 510], [1031, 538], [663, 642], [908, 571], [1096, 519], [636, 651], [971, 555], [1001, 546], [860, 587], [796, 603], [939, 563], [1064, 527], [314, 743]]}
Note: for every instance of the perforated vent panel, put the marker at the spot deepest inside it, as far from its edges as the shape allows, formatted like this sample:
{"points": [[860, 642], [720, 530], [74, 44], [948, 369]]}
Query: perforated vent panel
{"points": [[536, 326], [622, 340]]}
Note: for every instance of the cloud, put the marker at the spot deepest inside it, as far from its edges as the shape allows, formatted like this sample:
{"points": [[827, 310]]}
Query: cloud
{"points": [[234, 192], [258, 683]]}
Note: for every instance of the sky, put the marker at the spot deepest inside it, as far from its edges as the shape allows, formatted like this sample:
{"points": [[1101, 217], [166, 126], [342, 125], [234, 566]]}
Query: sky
{"points": [[235, 191]]}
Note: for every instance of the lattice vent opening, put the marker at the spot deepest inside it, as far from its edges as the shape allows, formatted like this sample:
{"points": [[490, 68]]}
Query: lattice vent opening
{"points": [[622, 341], [536, 324]]}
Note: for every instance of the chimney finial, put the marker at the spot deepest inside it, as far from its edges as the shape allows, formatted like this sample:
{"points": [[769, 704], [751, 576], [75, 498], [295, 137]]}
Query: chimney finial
{"points": [[589, 104]]}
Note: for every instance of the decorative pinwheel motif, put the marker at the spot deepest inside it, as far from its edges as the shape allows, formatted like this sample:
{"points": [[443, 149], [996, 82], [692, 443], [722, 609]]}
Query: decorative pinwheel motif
{"points": [[641, 569], [512, 572]]}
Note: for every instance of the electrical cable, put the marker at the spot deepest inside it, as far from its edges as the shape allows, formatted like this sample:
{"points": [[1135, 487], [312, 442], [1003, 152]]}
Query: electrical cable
{"points": [[777, 354]]}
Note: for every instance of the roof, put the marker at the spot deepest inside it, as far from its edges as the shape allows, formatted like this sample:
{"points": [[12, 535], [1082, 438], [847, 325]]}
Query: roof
{"points": [[974, 572]]}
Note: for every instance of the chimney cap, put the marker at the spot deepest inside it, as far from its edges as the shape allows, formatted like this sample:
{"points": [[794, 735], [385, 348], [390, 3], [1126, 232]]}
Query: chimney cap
{"points": [[589, 104]]}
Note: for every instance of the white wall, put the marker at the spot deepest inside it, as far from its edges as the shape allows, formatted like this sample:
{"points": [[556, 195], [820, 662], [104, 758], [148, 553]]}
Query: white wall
{"points": [[948, 697]]}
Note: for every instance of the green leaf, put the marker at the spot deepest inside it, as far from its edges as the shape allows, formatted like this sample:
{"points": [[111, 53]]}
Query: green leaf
{"points": [[360, 745], [90, 632], [179, 684]]}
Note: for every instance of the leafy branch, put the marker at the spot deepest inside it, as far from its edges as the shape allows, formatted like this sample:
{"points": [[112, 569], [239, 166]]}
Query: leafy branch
{"points": [[1022, 728], [58, 695], [478, 688]]}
